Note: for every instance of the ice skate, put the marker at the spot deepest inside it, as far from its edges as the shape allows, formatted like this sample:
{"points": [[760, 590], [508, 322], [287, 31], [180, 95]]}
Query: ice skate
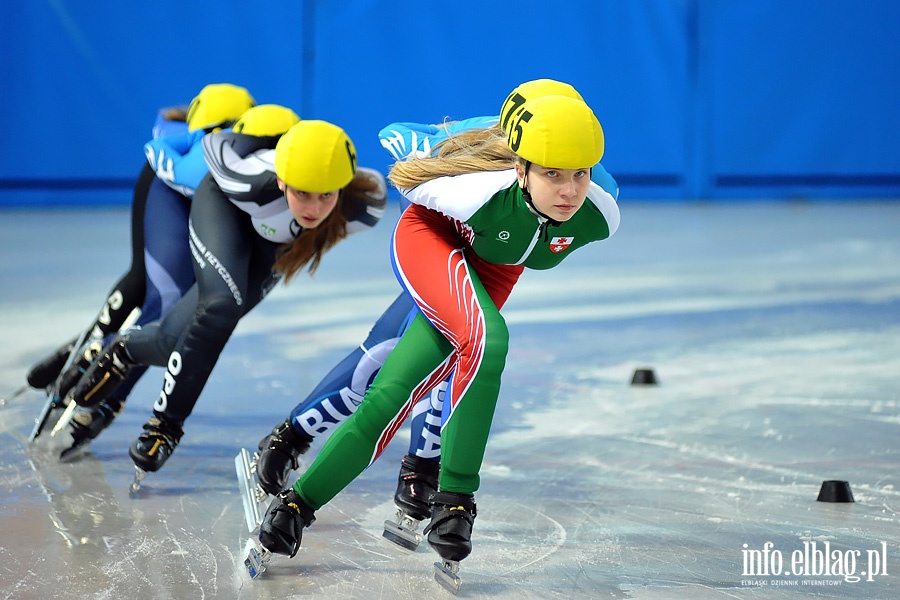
{"points": [[153, 448], [450, 534], [87, 423], [253, 496], [278, 453], [135, 487], [282, 526], [106, 374], [418, 480], [57, 393], [256, 558], [53, 403], [44, 373]]}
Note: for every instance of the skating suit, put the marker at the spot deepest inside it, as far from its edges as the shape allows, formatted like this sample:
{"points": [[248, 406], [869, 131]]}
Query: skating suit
{"points": [[238, 220], [458, 251], [129, 292], [161, 269], [179, 164], [340, 392]]}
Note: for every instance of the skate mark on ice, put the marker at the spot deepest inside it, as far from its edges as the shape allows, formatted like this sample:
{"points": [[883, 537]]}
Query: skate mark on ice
{"points": [[719, 456], [561, 537], [190, 555], [356, 545]]}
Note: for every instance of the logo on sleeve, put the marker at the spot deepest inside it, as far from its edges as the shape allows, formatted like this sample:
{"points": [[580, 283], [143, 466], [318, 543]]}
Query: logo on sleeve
{"points": [[559, 244]]}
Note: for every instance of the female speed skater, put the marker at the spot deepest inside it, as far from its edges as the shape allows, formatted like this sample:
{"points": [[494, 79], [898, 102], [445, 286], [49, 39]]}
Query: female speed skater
{"points": [[490, 204], [160, 270], [341, 391], [271, 206]]}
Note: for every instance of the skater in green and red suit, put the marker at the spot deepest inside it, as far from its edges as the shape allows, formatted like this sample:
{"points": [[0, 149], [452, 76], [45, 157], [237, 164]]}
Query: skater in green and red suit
{"points": [[492, 202]]}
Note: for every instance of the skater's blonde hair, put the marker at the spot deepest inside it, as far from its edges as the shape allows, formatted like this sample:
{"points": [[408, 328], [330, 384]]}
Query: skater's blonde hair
{"points": [[471, 151]]}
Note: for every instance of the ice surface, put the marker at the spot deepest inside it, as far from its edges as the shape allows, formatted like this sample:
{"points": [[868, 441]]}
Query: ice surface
{"points": [[774, 332]]}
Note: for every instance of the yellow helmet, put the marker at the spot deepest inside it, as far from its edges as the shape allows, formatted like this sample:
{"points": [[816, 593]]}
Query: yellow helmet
{"points": [[218, 105], [533, 89], [556, 131], [315, 156], [266, 120]]}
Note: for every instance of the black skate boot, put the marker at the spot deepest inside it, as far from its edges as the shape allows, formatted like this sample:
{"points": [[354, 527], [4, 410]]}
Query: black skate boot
{"points": [[44, 374], [153, 447], [278, 454], [87, 423], [106, 374], [418, 480], [450, 534], [282, 527]]}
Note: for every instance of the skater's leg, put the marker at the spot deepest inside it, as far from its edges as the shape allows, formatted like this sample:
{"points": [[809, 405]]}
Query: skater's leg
{"points": [[342, 389], [169, 275], [419, 357], [333, 400], [233, 273], [126, 294], [167, 255], [425, 425], [461, 295]]}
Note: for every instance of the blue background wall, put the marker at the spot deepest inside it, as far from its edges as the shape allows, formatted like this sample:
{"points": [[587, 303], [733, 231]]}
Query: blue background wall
{"points": [[699, 99]]}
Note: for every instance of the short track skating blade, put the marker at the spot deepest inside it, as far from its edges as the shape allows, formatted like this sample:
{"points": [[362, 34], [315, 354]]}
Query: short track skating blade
{"points": [[256, 559], [445, 573], [135, 487], [245, 467], [402, 531], [44, 416]]}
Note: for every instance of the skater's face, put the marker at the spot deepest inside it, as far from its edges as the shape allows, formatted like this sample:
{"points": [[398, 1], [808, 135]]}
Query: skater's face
{"points": [[557, 193], [309, 208]]}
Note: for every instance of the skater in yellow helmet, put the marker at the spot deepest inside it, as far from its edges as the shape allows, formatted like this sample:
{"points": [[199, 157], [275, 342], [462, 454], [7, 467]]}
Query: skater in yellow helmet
{"points": [[489, 204], [274, 202]]}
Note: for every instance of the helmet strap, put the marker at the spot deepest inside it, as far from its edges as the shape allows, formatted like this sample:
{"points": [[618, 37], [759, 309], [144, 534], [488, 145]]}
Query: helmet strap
{"points": [[526, 195]]}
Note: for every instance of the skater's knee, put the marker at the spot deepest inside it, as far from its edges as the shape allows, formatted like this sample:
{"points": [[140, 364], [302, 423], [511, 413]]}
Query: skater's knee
{"points": [[220, 313], [490, 351], [496, 345]]}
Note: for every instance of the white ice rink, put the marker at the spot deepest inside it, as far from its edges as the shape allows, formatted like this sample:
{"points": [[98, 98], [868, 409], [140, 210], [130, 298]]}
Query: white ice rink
{"points": [[774, 331]]}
